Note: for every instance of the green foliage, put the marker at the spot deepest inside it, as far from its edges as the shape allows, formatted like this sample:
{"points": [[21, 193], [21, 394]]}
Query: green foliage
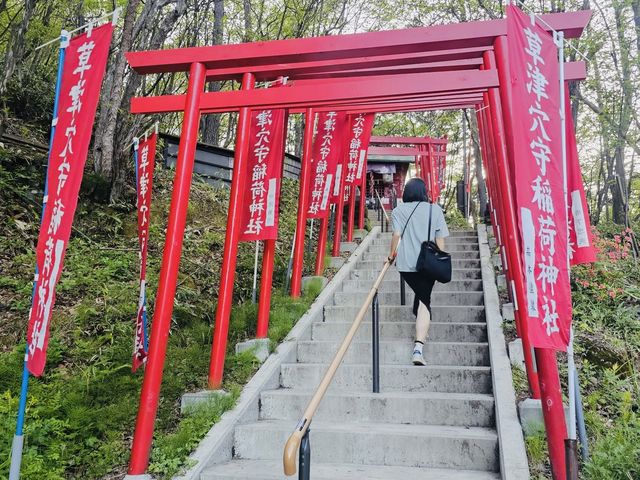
{"points": [[81, 412], [606, 308], [536, 444], [169, 452], [455, 219], [616, 454]]}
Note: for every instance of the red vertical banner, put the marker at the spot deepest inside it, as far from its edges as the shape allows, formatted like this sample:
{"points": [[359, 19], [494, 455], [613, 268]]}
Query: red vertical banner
{"points": [[539, 184], [84, 66], [581, 248], [327, 152], [264, 171], [360, 127], [145, 166]]}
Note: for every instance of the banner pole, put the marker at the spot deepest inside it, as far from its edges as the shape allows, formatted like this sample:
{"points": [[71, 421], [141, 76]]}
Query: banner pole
{"points": [[287, 276], [559, 38], [339, 215], [363, 196], [18, 438], [352, 212], [254, 292]]}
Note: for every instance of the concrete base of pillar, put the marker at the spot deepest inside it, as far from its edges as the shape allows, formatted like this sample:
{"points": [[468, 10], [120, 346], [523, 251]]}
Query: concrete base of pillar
{"points": [[313, 279], [348, 247], [501, 280], [508, 312], [516, 354], [260, 347], [194, 399], [497, 261], [531, 419], [336, 262], [359, 234], [492, 243], [144, 476]]}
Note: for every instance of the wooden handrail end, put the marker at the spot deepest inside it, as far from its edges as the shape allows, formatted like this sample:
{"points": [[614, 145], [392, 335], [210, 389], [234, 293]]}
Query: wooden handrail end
{"points": [[290, 452]]}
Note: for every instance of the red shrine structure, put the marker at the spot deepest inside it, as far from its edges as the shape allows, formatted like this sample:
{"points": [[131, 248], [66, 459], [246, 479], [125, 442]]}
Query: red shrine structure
{"points": [[430, 156], [456, 66]]}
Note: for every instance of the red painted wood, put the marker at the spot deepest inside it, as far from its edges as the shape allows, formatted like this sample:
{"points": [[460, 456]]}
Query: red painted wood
{"points": [[150, 394], [230, 255], [397, 151], [371, 88], [330, 48]]}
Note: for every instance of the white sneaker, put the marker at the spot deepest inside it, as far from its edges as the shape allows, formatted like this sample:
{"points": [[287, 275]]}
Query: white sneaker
{"points": [[418, 359]]}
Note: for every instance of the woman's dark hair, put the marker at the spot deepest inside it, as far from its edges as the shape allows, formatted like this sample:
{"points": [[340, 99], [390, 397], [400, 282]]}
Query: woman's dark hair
{"points": [[415, 190]]}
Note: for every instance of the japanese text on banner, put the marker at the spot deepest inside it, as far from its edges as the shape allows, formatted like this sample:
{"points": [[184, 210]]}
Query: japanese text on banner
{"points": [[539, 184], [327, 151], [144, 179], [357, 145], [581, 248], [264, 170], [83, 70]]}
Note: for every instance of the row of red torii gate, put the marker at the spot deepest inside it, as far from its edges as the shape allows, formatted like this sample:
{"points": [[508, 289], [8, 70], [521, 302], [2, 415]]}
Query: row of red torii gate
{"points": [[343, 80]]}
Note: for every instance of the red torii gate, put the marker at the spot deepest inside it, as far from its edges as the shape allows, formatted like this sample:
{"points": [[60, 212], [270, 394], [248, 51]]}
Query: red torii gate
{"points": [[360, 72], [432, 152]]}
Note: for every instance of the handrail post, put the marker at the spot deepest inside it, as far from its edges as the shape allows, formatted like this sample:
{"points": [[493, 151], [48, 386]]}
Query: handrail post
{"points": [[403, 289], [375, 342], [304, 457]]}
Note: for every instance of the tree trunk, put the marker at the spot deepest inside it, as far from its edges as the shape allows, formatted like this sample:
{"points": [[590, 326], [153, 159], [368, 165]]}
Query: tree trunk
{"points": [[126, 129], [15, 53], [248, 27], [482, 187], [104, 160], [211, 123]]}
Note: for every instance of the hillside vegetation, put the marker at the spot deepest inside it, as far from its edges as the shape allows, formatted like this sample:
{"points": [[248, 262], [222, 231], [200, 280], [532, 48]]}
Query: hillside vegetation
{"points": [[81, 412]]}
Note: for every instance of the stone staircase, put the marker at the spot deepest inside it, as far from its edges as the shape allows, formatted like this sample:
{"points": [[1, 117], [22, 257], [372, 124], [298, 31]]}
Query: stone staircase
{"points": [[433, 422]]}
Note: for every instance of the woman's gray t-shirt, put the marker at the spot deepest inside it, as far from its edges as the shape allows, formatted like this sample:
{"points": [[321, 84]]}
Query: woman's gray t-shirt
{"points": [[416, 231]]}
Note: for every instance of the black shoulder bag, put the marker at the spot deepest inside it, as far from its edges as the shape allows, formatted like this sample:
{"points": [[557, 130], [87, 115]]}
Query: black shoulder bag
{"points": [[432, 261]]}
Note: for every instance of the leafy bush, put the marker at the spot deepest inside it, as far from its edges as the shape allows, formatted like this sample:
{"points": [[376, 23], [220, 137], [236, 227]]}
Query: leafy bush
{"points": [[455, 218], [606, 314]]}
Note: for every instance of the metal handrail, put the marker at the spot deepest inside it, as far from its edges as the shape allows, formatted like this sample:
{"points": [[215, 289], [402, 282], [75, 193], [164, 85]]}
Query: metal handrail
{"points": [[384, 211], [293, 443]]}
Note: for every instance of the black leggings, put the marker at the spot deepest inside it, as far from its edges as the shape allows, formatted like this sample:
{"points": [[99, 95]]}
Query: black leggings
{"points": [[421, 286]]}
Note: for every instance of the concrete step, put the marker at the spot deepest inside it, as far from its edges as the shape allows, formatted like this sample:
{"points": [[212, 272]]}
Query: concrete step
{"points": [[398, 352], [376, 444], [455, 245], [385, 239], [394, 275], [406, 378], [394, 286], [393, 298], [452, 233], [438, 332], [455, 263], [272, 470], [373, 256], [451, 246], [431, 408], [397, 313]]}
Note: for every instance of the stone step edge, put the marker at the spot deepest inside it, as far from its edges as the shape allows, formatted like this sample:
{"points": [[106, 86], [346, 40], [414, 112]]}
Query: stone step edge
{"points": [[272, 470]]}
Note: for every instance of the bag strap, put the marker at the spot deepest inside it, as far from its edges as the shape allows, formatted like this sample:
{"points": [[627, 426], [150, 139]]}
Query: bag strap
{"points": [[429, 231], [406, 224]]}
